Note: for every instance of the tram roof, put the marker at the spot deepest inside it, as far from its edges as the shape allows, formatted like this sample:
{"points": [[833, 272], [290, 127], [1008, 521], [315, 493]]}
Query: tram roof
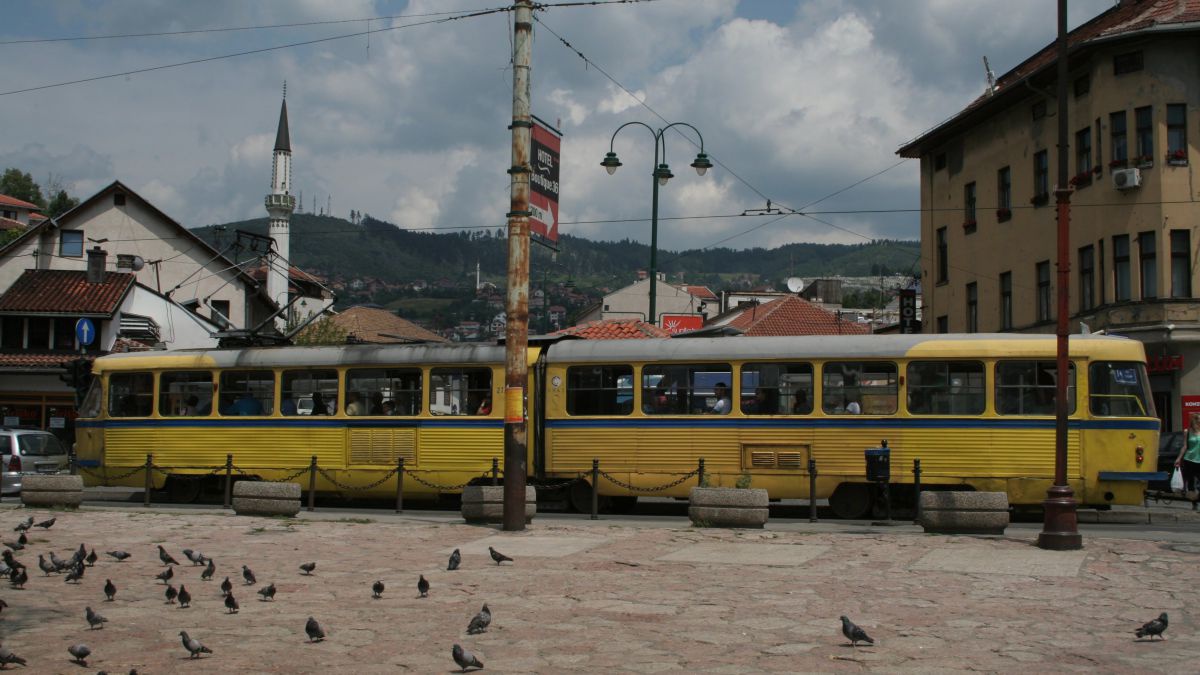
{"points": [[841, 346], [307, 357]]}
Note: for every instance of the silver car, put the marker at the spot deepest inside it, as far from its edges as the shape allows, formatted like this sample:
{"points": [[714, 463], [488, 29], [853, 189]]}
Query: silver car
{"points": [[27, 451]]}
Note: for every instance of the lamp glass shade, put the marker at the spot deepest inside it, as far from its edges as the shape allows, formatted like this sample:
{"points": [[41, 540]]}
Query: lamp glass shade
{"points": [[663, 173], [702, 164], [611, 163]]}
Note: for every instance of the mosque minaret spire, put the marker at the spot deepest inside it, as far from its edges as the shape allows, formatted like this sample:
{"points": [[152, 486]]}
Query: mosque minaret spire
{"points": [[280, 204]]}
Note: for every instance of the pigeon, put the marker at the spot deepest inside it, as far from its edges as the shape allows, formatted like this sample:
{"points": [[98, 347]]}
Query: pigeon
{"points": [[208, 571], [481, 621], [24, 525], [7, 657], [231, 604], [248, 575], [9, 560], [80, 652], [455, 560], [121, 556], [75, 574], [19, 578], [166, 557], [226, 586], [315, 634], [267, 592], [110, 589], [45, 566], [165, 575], [196, 557], [3, 604], [5, 570], [854, 634], [185, 598], [14, 545], [465, 659], [193, 646], [46, 524], [423, 587], [91, 558], [22, 539], [95, 620], [1154, 627], [498, 556], [79, 555], [171, 594], [59, 563], [377, 589], [308, 567]]}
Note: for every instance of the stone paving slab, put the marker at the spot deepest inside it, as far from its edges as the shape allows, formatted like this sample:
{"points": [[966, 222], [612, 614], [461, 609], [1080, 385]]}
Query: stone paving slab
{"points": [[612, 605], [1025, 561], [746, 554]]}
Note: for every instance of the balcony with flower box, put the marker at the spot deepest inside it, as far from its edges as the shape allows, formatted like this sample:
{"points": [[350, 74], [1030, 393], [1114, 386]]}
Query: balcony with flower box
{"points": [[1177, 157], [1003, 215]]}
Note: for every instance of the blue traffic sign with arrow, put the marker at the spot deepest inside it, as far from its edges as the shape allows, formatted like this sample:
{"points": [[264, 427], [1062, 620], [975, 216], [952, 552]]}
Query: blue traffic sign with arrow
{"points": [[85, 331]]}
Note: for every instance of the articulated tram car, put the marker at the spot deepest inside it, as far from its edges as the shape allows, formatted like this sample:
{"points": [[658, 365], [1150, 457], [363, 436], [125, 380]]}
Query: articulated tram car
{"points": [[977, 410]]}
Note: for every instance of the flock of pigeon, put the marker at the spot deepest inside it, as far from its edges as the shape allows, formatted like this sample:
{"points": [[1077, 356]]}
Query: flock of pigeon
{"points": [[82, 559], [75, 567]]}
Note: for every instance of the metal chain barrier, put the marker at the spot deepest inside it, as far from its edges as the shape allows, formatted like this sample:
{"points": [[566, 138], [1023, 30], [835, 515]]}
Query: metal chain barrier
{"points": [[351, 488], [657, 488], [122, 476], [556, 486], [290, 478], [444, 488]]}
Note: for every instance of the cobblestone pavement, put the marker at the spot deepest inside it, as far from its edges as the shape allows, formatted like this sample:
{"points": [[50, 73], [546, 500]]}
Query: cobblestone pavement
{"points": [[599, 597]]}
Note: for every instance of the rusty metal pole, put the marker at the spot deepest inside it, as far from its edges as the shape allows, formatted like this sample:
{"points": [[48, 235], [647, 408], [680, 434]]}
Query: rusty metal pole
{"points": [[400, 486], [595, 489], [1060, 528], [312, 483], [228, 480], [149, 480], [516, 338], [495, 472], [917, 489], [812, 490]]}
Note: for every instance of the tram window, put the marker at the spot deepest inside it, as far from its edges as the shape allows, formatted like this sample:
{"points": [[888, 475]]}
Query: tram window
{"points": [[946, 388], [92, 400], [247, 392], [695, 389], [859, 387], [1119, 389], [387, 391], [186, 394], [312, 392], [130, 394], [599, 390], [460, 391], [777, 388], [1027, 387]]}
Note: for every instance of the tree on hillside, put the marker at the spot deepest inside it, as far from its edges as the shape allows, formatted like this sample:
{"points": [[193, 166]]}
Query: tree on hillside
{"points": [[60, 204], [20, 185]]}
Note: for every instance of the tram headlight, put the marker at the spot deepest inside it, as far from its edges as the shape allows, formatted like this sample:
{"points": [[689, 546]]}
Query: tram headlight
{"points": [[1141, 454]]}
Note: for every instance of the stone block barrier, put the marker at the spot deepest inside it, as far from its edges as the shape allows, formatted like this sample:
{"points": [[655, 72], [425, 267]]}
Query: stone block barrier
{"points": [[957, 512], [485, 503], [52, 490], [728, 507], [259, 498]]}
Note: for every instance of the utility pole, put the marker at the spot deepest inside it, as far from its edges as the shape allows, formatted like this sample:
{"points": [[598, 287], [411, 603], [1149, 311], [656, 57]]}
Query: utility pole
{"points": [[1060, 528], [516, 306]]}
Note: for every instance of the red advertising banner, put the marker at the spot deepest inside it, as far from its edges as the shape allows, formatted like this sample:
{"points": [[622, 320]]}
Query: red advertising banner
{"points": [[543, 184], [1191, 404], [681, 323]]}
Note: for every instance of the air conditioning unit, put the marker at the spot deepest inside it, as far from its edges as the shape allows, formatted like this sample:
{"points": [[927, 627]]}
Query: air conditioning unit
{"points": [[1127, 179]]}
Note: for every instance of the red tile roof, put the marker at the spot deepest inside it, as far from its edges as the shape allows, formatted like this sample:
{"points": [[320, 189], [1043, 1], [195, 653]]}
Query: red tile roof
{"points": [[34, 359], [792, 315], [65, 292], [700, 292], [10, 224], [1129, 16], [615, 329], [374, 325], [19, 203]]}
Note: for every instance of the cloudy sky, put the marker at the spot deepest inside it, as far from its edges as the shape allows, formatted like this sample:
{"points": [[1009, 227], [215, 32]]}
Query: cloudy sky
{"points": [[796, 100]]}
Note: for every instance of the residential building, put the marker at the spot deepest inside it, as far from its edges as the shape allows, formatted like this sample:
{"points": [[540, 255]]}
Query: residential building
{"points": [[988, 205], [614, 329], [679, 304], [786, 315], [18, 213], [376, 325]]}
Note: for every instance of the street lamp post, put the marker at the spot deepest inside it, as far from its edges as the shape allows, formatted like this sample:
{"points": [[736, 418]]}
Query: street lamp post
{"points": [[662, 174]]}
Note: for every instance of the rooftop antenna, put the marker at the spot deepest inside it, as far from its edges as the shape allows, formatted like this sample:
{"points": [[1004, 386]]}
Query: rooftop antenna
{"points": [[991, 78]]}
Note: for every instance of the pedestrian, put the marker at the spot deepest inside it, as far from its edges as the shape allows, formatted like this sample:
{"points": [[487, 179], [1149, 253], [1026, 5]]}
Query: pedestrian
{"points": [[1188, 460]]}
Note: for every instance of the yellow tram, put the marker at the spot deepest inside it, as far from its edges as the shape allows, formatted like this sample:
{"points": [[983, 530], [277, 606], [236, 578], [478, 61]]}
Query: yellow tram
{"points": [[977, 410]]}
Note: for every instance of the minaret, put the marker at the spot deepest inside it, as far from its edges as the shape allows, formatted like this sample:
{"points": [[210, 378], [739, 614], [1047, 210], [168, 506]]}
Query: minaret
{"points": [[280, 204]]}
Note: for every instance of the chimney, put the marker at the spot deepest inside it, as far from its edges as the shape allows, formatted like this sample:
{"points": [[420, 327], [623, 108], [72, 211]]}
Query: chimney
{"points": [[96, 260]]}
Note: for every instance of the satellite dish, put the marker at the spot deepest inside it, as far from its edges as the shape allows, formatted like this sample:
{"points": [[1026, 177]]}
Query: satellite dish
{"points": [[795, 284], [138, 263]]}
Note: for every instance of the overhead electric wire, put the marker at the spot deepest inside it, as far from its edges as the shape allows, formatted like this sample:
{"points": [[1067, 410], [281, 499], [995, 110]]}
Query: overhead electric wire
{"points": [[251, 52]]}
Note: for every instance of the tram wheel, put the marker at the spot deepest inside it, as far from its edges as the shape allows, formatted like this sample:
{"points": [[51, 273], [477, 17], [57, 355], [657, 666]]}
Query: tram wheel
{"points": [[184, 491], [580, 496], [851, 501]]}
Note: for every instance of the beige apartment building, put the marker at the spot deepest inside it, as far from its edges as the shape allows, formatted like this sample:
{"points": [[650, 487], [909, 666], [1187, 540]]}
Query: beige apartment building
{"points": [[988, 175]]}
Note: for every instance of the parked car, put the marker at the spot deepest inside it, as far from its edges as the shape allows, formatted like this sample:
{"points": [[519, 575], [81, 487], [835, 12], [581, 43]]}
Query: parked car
{"points": [[1169, 444], [29, 451]]}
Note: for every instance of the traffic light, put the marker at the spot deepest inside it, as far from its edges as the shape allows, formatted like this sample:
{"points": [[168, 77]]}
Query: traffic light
{"points": [[78, 375]]}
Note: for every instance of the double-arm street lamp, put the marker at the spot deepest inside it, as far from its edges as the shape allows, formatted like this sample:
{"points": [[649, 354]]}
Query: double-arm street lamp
{"points": [[662, 174]]}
